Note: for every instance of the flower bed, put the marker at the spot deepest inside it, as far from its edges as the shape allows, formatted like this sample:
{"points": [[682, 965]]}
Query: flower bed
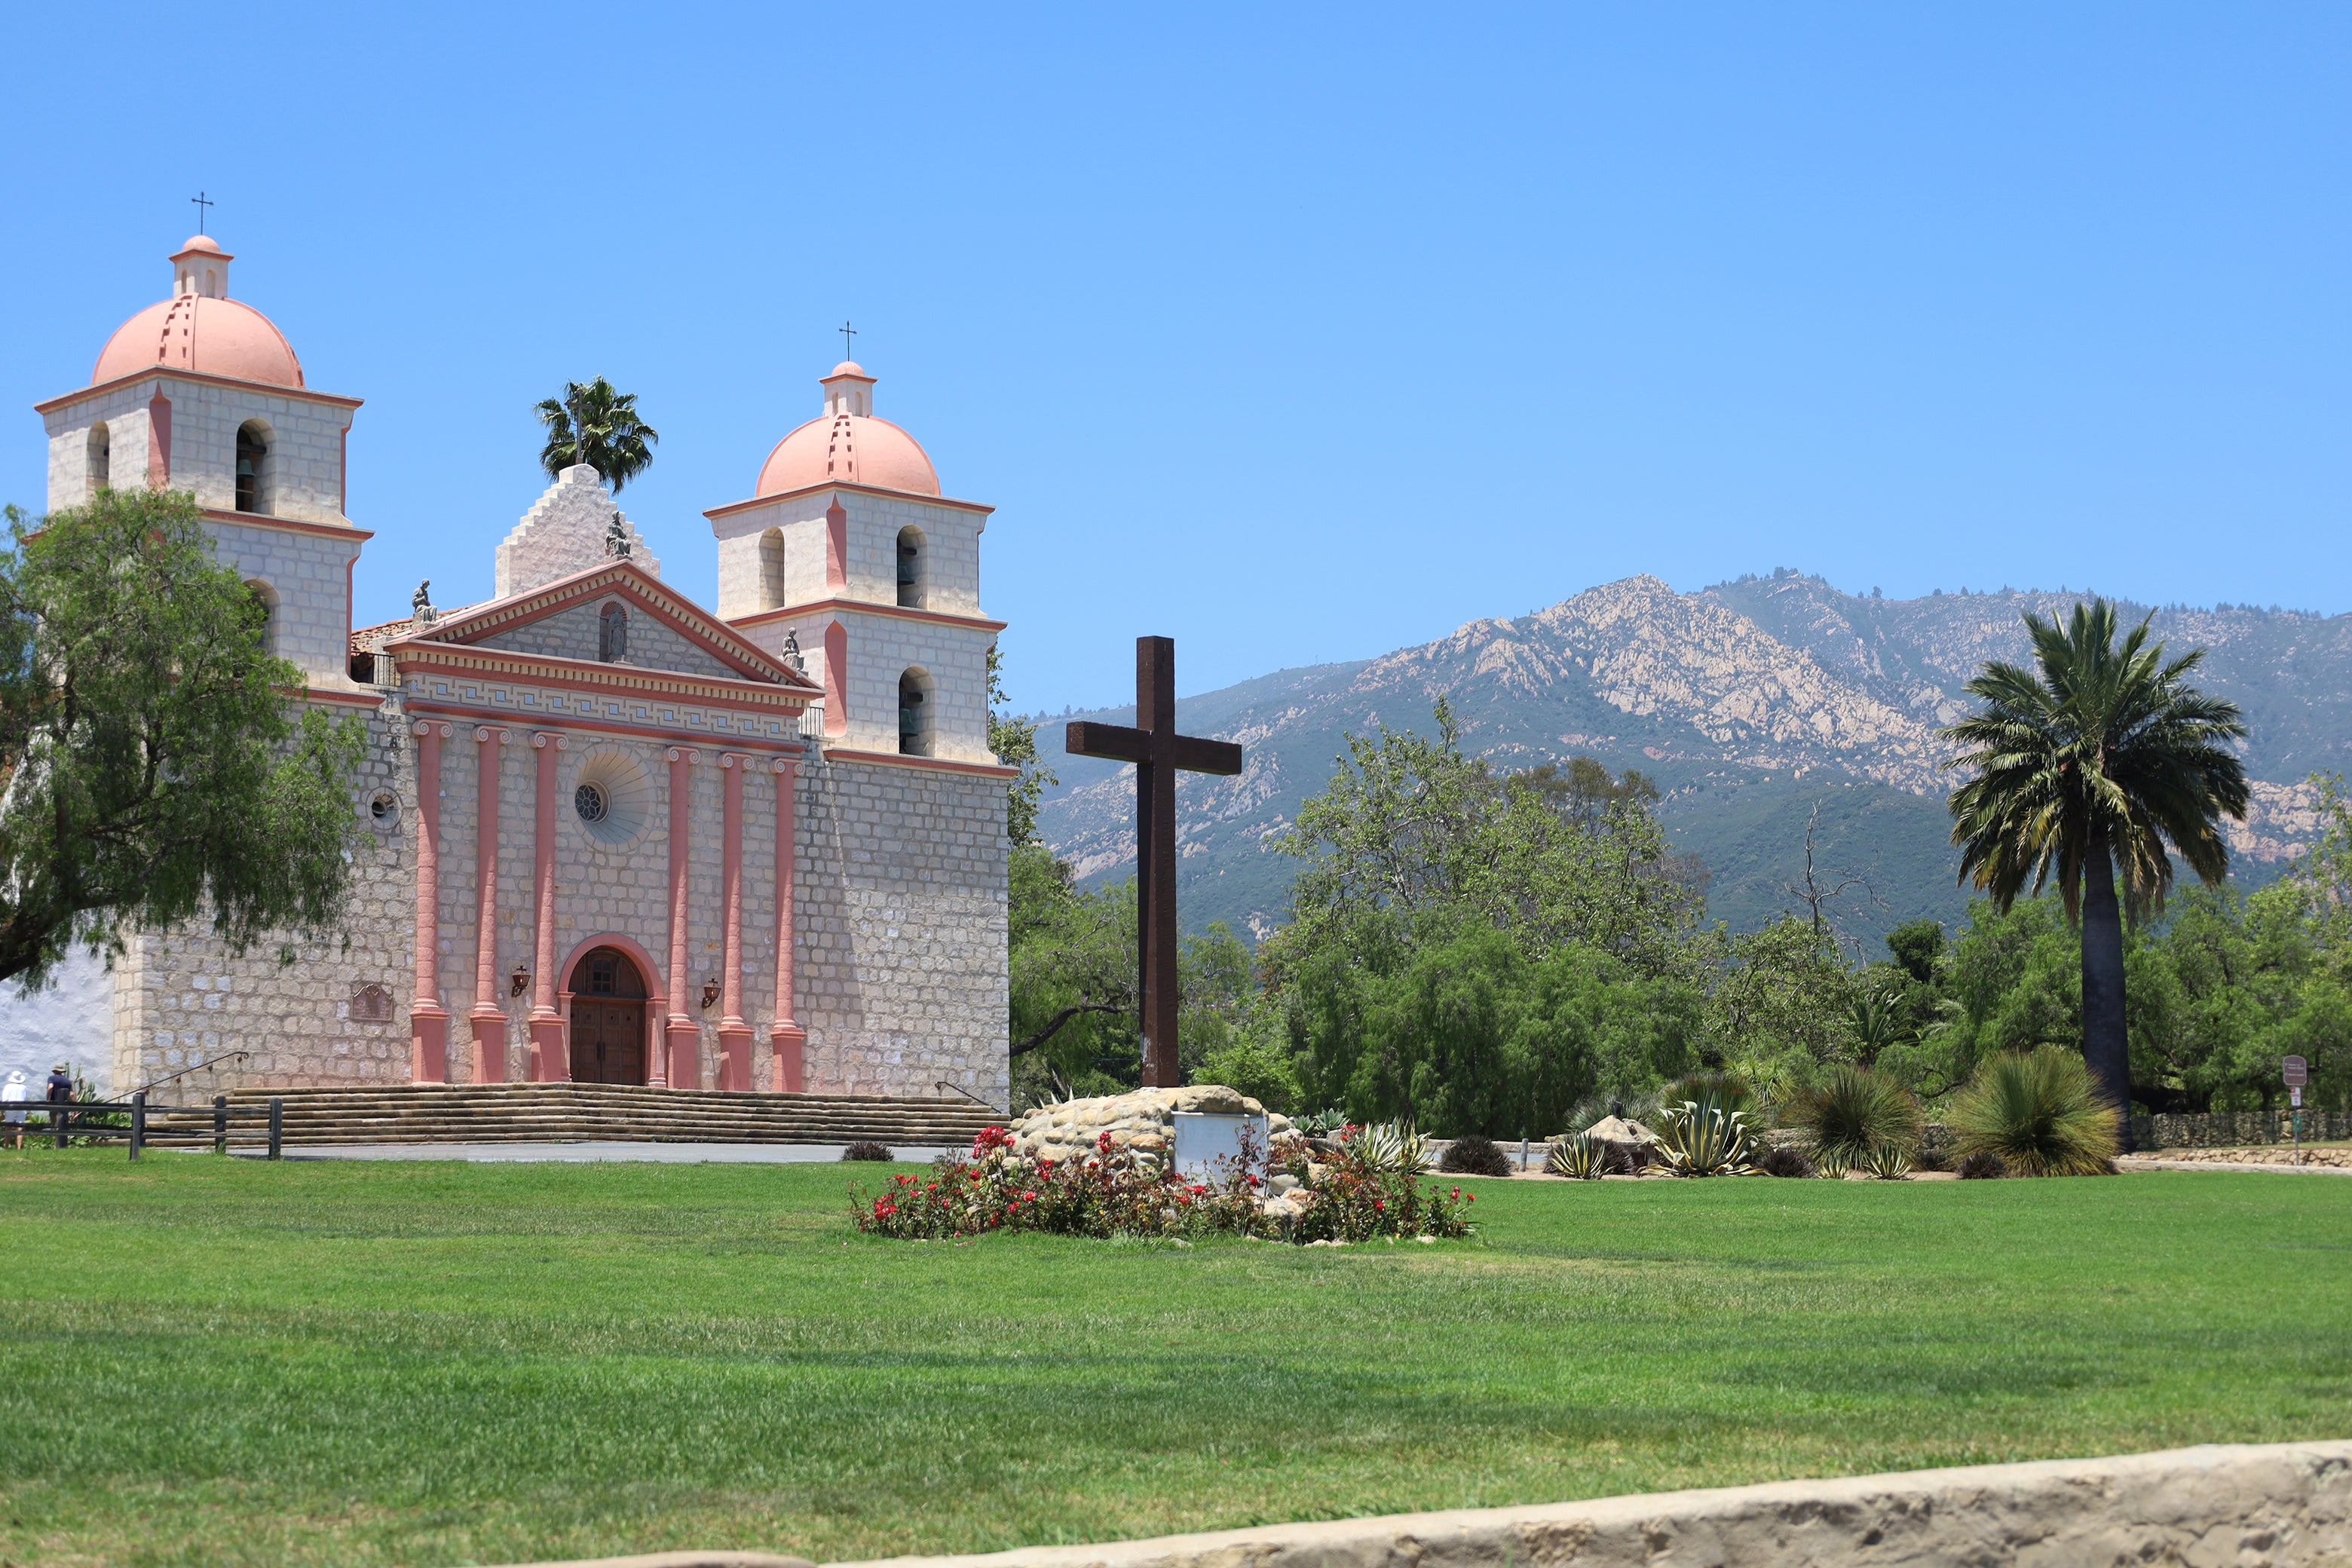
{"points": [[1118, 1191]]}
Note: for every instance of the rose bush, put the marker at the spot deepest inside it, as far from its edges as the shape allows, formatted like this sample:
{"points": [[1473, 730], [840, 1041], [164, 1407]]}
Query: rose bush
{"points": [[1116, 1192]]}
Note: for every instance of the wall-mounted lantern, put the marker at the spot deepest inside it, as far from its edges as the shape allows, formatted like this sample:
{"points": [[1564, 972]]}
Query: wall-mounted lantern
{"points": [[520, 982], [710, 992]]}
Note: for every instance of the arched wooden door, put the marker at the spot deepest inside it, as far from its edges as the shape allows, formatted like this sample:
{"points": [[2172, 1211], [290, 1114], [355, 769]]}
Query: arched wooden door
{"points": [[608, 1019]]}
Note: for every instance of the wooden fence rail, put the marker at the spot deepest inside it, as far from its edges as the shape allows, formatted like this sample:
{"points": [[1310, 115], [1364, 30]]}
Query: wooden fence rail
{"points": [[136, 1125]]}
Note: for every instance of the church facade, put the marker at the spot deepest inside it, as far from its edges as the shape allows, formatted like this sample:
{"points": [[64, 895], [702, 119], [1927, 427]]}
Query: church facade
{"points": [[607, 833]]}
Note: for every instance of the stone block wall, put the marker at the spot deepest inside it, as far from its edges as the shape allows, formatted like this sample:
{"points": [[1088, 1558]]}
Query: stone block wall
{"points": [[902, 927], [881, 649], [951, 574], [951, 553], [2252, 1505], [577, 633], [308, 575], [181, 996], [302, 476], [744, 587], [123, 411], [563, 533]]}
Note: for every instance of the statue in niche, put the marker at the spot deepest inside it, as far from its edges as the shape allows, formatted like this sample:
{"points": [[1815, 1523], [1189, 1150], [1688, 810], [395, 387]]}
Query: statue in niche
{"points": [[616, 538]]}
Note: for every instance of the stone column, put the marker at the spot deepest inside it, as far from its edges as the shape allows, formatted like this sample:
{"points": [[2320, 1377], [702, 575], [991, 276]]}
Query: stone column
{"points": [[786, 1039], [551, 1056], [682, 1032], [428, 1021], [734, 1034], [489, 1019]]}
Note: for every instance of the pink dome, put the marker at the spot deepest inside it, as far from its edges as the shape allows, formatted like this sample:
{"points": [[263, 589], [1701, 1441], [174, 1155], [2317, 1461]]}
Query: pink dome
{"points": [[199, 242], [849, 367], [211, 337], [848, 449]]}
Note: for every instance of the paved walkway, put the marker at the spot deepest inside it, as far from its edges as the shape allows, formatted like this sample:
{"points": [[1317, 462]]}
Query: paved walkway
{"points": [[655, 1153]]}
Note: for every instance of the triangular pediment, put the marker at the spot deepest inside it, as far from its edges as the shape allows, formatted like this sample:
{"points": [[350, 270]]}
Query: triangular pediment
{"points": [[668, 632]]}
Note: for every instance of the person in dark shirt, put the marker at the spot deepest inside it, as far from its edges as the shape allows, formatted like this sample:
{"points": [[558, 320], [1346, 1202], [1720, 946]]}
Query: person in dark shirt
{"points": [[61, 1086]]}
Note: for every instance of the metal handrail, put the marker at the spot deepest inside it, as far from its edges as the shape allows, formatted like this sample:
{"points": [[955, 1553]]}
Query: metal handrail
{"points": [[990, 1104], [225, 1057]]}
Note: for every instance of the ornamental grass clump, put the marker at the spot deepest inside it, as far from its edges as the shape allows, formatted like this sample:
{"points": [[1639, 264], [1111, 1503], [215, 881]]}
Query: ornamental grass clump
{"points": [[1984, 1165], [1853, 1112], [2039, 1111], [1475, 1156], [1786, 1160], [868, 1149]]}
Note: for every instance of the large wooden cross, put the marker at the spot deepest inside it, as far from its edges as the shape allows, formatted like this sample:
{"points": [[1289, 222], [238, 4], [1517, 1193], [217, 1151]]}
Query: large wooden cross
{"points": [[1158, 752]]}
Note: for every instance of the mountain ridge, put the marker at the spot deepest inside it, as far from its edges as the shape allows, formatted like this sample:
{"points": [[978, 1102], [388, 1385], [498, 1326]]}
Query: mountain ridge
{"points": [[1749, 701]]}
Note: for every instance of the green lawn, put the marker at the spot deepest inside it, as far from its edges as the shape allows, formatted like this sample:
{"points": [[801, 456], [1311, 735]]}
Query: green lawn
{"points": [[230, 1361]]}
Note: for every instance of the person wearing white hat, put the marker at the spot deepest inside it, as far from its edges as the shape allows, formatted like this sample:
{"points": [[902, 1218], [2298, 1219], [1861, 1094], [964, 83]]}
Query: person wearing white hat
{"points": [[13, 1094]]}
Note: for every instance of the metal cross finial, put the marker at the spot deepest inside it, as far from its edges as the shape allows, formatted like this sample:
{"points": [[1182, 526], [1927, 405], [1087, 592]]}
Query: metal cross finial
{"points": [[202, 202], [847, 332]]}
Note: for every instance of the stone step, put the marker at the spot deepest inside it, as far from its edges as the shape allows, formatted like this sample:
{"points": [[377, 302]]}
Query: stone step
{"points": [[513, 1114]]}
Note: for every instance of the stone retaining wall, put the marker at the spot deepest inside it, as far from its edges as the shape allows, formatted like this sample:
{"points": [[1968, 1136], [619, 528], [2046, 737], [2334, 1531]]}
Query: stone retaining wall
{"points": [[2265, 1506]]}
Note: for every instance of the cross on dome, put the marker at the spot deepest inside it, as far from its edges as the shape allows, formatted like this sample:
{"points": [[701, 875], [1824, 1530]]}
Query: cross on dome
{"points": [[199, 327], [848, 445]]}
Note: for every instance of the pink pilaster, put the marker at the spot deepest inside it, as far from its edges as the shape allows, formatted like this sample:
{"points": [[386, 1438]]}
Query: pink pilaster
{"points": [[786, 1039], [681, 1030], [489, 1018], [734, 1034], [428, 1021], [551, 1058]]}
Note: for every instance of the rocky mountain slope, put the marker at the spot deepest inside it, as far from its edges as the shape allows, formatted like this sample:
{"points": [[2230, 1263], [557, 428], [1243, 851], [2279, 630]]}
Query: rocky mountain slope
{"points": [[1751, 703]]}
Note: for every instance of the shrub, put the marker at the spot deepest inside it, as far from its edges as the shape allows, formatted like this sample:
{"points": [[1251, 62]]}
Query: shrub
{"points": [[1931, 1157], [867, 1149], [1359, 1200], [1116, 1192], [1854, 1111], [1728, 1091], [1984, 1165], [1702, 1138], [2040, 1113], [1784, 1160], [1621, 1159], [1264, 1072], [1887, 1162], [1476, 1156], [1581, 1158]]}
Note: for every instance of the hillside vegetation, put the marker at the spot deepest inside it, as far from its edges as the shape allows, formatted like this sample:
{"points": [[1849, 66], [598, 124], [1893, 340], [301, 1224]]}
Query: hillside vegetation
{"points": [[1749, 703]]}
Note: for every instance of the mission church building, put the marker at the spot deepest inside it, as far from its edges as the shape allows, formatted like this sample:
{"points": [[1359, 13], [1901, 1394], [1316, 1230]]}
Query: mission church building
{"points": [[610, 835]]}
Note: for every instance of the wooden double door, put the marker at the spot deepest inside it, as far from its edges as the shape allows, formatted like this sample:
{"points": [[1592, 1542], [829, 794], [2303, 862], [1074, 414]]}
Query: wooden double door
{"points": [[608, 1020]]}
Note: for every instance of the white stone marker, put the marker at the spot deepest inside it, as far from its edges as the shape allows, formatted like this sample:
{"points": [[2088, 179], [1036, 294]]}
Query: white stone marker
{"points": [[1207, 1145]]}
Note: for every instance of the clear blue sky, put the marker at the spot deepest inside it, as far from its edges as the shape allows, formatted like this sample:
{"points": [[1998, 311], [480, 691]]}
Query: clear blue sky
{"points": [[1298, 334]]}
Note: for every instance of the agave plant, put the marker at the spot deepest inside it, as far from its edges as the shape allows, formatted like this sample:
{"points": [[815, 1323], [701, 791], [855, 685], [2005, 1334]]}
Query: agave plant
{"points": [[1887, 1162], [2040, 1113], [1391, 1146], [1832, 1163], [1581, 1157], [1702, 1138]]}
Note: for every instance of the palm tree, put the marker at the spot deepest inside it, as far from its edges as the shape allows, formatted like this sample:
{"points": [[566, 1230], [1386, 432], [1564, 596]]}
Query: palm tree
{"points": [[599, 427], [2084, 773]]}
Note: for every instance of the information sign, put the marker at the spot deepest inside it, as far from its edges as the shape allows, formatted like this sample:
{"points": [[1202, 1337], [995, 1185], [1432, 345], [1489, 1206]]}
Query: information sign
{"points": [[2294, 1070]]}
